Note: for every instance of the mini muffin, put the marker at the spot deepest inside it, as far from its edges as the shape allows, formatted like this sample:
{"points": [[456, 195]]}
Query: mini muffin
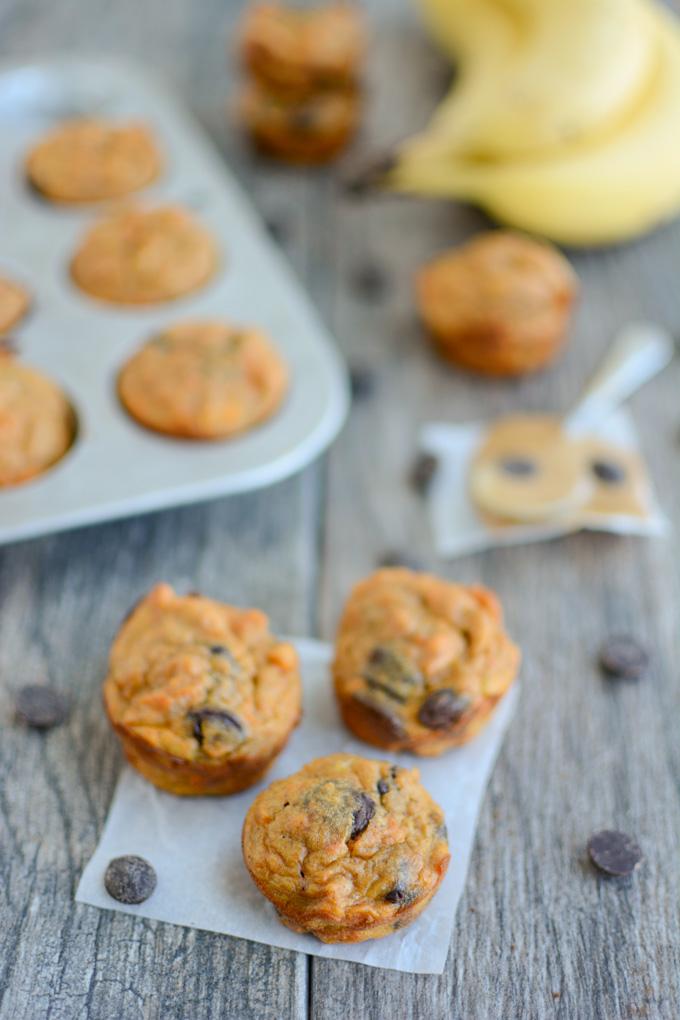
{"points": [[203, 380], [310, 130], [143, 256], [302, 51], [346, 849], [37, 423], [420, 663], [498, 305], [91, 160], [14, 303], [202, 696]]}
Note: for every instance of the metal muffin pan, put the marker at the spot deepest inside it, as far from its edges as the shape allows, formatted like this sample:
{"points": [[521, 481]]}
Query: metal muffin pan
{"points": [[116, 467]]}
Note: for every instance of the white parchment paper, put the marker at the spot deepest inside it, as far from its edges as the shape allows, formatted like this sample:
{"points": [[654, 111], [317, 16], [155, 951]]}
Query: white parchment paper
{"points": [[195, 843], [458, 529]]}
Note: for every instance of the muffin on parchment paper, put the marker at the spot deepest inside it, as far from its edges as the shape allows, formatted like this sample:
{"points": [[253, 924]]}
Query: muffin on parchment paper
{"points": [[420, 663], [14, 303], [498, 305], [347, 849], [91, 160], [37, 422], [204, 380], [140, 256], [200, 693]]}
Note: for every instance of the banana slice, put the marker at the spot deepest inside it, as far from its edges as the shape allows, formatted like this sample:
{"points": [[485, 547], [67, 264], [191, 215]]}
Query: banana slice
{"points": [[527, 469]]}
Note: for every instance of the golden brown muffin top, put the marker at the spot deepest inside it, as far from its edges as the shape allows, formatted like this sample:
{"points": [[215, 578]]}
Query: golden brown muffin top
{"points": [[37, 423], [89, 160], [200, 679], [345, 840], [204, 379], [420, 652]]}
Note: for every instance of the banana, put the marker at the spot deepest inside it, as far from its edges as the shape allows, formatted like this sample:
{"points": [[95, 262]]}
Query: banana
{"points": [[600, 190], [536, 73]]}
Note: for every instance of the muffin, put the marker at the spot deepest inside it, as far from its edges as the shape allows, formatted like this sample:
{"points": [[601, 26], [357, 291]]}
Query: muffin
{"points": [[347, 849], [296, 51], [201, 695], [14, 303], [306, 131], [89, 160], [37, 423], [144, 256], [499, 305], [203, 380], [420, 663]]}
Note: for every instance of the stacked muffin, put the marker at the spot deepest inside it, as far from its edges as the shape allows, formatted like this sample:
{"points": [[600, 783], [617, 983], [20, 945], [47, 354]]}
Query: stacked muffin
{"points": [[301, 102]]}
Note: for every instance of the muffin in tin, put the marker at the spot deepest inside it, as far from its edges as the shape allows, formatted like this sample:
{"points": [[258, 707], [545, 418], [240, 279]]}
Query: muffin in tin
{"points": [[498, 305], [420, 663], [201, 694], [347, 849]]}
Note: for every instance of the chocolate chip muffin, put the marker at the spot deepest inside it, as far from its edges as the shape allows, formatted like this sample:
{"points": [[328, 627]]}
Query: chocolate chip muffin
{"points": [[144, 256], [37, 422], [14, 303], [420, 663], [89, 160], [310, 130], [347, 849], [498, 305], [204, 380], [292, 50], [200, 693]]}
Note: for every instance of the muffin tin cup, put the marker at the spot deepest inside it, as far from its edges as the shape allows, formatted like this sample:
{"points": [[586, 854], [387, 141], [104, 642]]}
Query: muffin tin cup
{"points": [[116, 467]]}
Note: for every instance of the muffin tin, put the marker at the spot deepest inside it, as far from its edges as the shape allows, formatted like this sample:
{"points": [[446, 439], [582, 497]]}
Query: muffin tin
{"points": [[115, 467]]}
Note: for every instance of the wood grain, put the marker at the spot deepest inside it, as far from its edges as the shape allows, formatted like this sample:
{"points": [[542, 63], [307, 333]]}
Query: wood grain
{"points": [[538, 934]]}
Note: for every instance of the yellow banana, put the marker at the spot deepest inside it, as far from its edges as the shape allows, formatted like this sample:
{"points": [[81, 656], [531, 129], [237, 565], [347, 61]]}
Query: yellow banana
{"points": [[598, 191]]}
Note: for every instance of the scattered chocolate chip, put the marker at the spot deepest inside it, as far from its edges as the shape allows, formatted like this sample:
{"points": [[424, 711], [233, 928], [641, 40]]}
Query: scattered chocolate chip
{"points": [[383, 787], [130, 879], [422, 472], [442, 709], [519, 467], [386, 722], [369, 282], [361, 382], [390, 673], [614, 853], [362, 815], [41, 707], [217, 715], [608, 471], [397, 895], [399, 558], [623, 657]]}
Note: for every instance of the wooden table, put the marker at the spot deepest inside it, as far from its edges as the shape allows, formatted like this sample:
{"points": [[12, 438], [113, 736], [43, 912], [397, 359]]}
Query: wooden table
{"points": [[538, 934]]}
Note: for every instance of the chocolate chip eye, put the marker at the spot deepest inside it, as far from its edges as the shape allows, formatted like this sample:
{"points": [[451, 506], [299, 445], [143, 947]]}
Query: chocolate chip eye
{"points": [[442, 708], [518, 467], [215, 715], [362, 814], [608, 471]]}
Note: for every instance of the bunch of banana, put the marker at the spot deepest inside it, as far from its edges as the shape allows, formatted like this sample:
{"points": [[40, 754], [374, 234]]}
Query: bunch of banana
{"points": [[564, 119]]}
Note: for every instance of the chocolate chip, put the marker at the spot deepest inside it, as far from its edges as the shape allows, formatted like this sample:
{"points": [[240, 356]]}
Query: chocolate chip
{"points": [[383, 787], [442, 709], [386, 723], [422, 472], [397, 895], [361, 382], [217, 715], [41, 707], [219, 650], [130, 879], [369, 282], [362, 815], [399, 558], [623, 657], [519, 467], [608, 472], [390, 673], [614, 853]]}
